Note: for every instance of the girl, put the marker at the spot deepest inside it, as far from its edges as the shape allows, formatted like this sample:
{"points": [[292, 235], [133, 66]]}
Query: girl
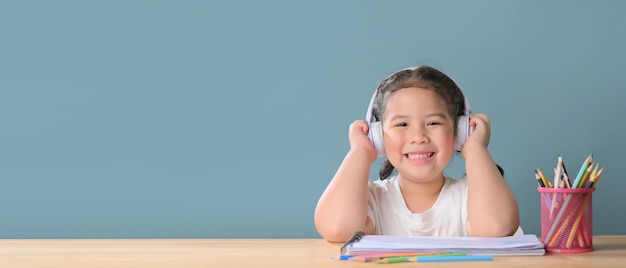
{"points": [[418, 109]]}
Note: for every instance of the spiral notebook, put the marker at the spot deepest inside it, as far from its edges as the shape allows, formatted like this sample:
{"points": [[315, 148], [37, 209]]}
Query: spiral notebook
{"points": [[518, 245]]}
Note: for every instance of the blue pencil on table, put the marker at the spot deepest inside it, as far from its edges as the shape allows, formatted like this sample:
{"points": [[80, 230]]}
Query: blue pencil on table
{"points": [[343, 257]]}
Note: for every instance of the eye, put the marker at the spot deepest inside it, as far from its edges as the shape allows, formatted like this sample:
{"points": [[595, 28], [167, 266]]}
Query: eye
{"points": [[401, 124], [433, 123]]}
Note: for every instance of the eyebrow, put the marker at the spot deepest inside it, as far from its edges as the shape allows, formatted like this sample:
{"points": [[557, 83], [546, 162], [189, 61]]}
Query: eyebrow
{"points": [[401, 116]]}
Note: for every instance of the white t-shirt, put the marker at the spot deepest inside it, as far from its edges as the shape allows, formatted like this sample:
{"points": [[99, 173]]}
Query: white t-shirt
{"points": [[390, 215]]}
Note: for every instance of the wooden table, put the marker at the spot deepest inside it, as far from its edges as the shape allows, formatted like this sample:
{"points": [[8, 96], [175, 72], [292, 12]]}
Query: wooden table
{"points": [[155, 253]]}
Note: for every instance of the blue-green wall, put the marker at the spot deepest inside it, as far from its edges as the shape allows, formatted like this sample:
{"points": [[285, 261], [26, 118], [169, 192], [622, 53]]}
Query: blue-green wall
{"points": [[207, 119]]}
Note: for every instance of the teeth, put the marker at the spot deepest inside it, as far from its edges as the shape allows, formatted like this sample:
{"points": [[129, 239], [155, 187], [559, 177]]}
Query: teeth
{"points": [[419, 156]]}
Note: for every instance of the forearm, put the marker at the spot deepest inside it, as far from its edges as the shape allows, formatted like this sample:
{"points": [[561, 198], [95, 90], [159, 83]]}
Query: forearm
{"points": [[342, 208], [492, 207]]}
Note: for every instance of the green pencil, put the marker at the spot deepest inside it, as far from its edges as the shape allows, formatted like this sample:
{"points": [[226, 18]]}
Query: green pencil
{"points": [[414, 258], [582, 170]]}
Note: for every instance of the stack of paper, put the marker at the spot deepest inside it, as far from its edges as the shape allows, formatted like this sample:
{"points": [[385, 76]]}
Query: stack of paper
{"points": [[518, 245]]}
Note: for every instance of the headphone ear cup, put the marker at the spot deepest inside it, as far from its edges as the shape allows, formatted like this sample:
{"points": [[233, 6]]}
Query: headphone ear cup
{"points": [[463, 131], [375, 135]]}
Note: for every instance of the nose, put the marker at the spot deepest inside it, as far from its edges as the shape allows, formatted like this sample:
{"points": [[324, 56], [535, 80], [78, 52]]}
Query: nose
{"points": [[418, 134]]}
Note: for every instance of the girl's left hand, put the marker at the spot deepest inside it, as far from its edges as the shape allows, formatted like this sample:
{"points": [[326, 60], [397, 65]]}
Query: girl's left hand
{"points": [[480, 135]]}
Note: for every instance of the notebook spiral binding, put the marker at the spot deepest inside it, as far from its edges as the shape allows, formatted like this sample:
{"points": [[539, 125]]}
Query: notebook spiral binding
{"points": [[355, 238]]}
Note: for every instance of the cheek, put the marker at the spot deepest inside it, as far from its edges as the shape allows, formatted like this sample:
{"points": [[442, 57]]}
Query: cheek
{"points": [[446, 141], [393, 138], [393, 147]]}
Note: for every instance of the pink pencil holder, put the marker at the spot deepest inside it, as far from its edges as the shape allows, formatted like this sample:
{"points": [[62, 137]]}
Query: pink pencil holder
{"points": [[566, 219]]}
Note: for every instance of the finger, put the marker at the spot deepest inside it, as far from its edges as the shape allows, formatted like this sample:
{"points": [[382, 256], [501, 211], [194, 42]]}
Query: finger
{"points": [[480, 117], [477, 120], [472, 122], [362, 125], [365, 128]]}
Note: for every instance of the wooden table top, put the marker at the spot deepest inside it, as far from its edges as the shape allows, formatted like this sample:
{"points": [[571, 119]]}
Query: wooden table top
{"points": [[610, 251]]}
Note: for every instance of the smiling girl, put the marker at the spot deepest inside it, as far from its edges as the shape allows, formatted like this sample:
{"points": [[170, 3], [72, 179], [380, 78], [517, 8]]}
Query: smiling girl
{"points": [[418, 110]]}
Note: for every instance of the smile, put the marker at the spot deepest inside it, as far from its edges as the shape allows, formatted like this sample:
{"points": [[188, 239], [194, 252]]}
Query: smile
{"points": [[420, 156]]}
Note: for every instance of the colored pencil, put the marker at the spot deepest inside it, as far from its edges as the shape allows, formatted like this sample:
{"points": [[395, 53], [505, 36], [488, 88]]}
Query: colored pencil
{"points": [[579, 217], [342, 257], [586, 175], [414, 258], [454, 258], [557, 173], [596, 178], [545, 180], [375, 257], [551, 236], [565, 172], [582, 170], [562, 175], [592, 177], [566, 179], [539, 180]]}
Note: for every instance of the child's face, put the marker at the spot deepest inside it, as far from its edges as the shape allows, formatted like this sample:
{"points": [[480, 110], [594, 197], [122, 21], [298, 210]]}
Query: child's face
{"points": [[418, 133]]}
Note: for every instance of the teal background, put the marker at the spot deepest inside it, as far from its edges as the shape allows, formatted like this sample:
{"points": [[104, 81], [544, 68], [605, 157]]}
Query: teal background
{"points": [[227, 119]]}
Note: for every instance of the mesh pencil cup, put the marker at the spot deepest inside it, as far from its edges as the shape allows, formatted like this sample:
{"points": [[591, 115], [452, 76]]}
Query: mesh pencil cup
{"points": [[566, 219]]}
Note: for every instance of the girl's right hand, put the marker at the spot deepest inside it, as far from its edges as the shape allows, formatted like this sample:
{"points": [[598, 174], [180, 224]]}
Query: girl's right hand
{"points": [[359, 140]]}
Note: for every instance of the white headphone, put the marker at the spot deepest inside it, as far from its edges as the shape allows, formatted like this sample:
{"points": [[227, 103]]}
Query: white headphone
{"points": [[375, 133]]}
